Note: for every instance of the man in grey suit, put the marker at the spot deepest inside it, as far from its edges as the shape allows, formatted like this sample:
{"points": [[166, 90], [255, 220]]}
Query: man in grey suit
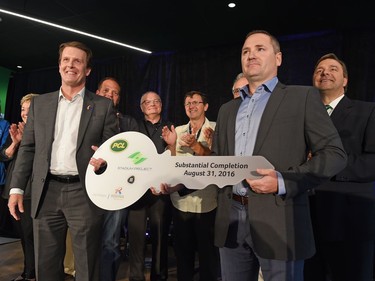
{"points": [[266, 222], [55, 150]]}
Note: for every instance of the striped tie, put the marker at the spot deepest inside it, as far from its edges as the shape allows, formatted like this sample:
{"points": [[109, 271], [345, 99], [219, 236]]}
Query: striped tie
{"points": [[329, 109]]}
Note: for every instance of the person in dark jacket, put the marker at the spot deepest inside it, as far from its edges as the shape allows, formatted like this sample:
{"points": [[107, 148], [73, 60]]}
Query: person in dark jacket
{"points": [[343, 209], [24, 226]]}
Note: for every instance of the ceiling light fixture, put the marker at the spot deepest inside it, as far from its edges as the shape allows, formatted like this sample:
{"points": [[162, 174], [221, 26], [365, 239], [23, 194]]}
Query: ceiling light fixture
{"points": [[232, 5], [74, 30]]}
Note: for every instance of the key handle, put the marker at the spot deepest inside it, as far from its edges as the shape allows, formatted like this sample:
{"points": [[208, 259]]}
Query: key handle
{"points": [[134, 165]]}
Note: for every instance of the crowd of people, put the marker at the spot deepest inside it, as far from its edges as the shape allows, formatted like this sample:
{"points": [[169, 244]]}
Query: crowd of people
{"points": [[312, 217]]}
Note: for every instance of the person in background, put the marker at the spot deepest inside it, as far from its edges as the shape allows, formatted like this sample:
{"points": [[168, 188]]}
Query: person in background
{"points": [[193, 210], [25, 225], [343, 209], [114, 221], [156, 208], [109, 87], [265, 222], [239, 82], [56, 148]]}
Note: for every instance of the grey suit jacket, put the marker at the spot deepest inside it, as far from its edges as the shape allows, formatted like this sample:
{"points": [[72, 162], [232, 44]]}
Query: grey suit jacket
{"points": [[97, 124], [293, 123]]}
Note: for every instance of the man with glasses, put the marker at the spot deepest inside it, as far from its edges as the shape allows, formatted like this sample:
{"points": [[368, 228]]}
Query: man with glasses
{"points": [[193, 210], [239, 82], [155, 208]]}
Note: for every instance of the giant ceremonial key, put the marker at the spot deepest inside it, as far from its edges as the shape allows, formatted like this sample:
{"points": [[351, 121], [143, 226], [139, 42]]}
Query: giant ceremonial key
{"points": [[133, 166]]}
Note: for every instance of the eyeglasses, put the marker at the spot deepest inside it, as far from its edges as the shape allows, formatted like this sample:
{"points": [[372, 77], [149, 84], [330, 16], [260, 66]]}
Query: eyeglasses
{"points": [[193, 103], [148, 102]]}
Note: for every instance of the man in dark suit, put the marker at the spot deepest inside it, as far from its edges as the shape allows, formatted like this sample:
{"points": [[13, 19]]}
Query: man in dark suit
{"points": [[150, 210], [266, 222], [343, 209], [55, 150]]}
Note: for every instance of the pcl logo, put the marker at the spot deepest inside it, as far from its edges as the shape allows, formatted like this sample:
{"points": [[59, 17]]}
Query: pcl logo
{"points": [[119, 145]]}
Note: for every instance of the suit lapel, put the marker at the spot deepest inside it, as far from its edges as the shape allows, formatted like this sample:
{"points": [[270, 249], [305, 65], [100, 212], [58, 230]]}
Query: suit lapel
{"points": [[342, 110], [232, 116], [49, 116], [268, 115], [87, 111]]}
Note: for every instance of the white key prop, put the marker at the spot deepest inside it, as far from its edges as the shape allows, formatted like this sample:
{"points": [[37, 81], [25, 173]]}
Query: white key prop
{"points": [[133, 166]]}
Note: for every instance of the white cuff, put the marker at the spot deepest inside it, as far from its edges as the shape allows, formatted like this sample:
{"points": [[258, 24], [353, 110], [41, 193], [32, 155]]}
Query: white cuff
{"points": [[15, 190]]}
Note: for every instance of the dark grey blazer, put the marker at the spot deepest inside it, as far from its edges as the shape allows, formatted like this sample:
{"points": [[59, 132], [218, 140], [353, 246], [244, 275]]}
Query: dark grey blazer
{"points": [[293, 123], [345, 205], [97, 124]]}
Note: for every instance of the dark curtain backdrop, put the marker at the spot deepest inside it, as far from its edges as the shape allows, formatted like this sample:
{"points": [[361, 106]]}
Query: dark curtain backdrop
{"points": [[211, 71]]}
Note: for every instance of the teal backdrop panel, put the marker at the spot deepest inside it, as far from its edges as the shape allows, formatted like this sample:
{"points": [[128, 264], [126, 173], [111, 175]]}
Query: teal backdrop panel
{"points": [[4, 80]]}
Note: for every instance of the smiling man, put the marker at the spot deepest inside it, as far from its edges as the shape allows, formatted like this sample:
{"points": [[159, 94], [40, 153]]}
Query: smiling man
{"points": [[343, 208], [54, 152], [150, 209], [194, 210]]}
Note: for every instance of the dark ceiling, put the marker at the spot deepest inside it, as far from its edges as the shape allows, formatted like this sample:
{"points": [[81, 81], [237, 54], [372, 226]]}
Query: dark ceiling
{"points": [[167, 25]]}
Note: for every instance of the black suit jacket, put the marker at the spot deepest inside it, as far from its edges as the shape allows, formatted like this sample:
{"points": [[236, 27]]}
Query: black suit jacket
{"points": [[294, 122], [127, 123], [345, 205]]}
